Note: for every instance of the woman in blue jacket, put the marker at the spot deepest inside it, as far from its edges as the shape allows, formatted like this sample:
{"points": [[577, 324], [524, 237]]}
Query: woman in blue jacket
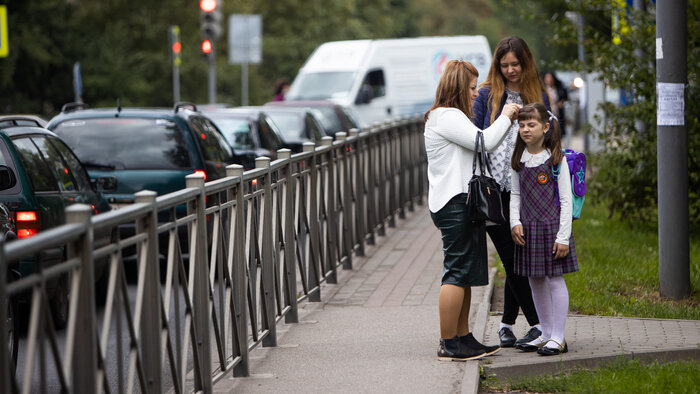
{"points": [[512, 78]]}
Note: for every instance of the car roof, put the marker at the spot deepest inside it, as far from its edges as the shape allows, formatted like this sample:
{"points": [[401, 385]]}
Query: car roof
{"points": [[180, 110], [17, 119], [303, 103], [237, 112]]}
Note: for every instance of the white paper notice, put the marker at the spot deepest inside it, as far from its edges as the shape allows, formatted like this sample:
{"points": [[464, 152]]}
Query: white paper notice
{"points": [[671, 105], [659, 49]]}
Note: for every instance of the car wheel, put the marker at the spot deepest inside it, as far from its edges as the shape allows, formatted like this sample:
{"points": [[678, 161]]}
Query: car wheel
{"points": [[60, 303], [12, 333]]}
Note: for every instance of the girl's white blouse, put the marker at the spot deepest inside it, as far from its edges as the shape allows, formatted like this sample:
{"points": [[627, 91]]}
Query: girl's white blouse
{"points": [[565, 197]]}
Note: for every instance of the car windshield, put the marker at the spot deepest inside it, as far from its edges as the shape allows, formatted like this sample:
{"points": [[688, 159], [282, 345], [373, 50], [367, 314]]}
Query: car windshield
{"points": [[126, 143], [236, 131], [329, 119], [290, 124], [319, 86]]}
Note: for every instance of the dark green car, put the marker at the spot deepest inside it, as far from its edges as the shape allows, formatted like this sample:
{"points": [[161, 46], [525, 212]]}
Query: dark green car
{"points": [[39, 177], [145, 149]]}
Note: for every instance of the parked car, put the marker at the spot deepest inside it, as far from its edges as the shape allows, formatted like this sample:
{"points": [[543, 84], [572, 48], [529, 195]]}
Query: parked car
{"points": [[9, 232], [250, 133], [297, 124], [39, 177], [334, 117], [145, 149]]}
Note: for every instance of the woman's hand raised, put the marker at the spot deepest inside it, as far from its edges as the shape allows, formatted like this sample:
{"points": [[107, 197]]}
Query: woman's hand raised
{"points": [[511, 111]]}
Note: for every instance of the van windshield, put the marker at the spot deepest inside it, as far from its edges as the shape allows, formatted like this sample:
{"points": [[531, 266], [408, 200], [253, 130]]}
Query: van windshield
{"points": [[319, 86]]}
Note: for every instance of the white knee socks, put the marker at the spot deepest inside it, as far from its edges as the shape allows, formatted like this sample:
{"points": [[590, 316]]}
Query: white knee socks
{"points": [[551, 299]]}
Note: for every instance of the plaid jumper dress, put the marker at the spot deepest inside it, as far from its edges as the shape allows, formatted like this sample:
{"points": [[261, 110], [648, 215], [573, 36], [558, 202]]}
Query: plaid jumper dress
{"points": [[539, 215]]}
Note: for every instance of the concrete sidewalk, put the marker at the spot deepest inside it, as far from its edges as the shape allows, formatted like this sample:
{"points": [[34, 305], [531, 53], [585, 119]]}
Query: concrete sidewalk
{"points": [[377, 330]]}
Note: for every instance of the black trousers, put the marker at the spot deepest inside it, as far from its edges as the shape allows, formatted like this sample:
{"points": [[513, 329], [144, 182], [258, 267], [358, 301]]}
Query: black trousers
{"points": [[517, 294]]}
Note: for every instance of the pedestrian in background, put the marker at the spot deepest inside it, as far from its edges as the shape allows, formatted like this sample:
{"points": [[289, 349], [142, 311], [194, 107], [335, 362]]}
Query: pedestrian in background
{"points": [[540, 218], [512, 78], [449, 142], [281, 88], [557, 96]]}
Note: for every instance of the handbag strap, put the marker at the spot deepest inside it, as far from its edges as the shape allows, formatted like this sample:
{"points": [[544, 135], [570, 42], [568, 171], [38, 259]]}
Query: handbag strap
{"points": [[481, 155]]}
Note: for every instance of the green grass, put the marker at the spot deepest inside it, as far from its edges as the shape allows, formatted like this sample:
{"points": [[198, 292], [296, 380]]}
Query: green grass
{"points": [[622, 376], [619, 270]]}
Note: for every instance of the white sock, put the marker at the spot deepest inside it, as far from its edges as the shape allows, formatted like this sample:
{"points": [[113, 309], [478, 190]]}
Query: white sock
{"points": [[537, 326], [543, 304], [508, 326], [560, 307]]}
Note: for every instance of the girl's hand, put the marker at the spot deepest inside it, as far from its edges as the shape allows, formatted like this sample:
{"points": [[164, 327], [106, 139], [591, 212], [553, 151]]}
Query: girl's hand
{"points": [[518, 236], [560, 251], [511, 111]]}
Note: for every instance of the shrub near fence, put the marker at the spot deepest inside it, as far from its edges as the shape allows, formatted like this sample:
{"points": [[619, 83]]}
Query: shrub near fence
{"points": [[259, 243]]}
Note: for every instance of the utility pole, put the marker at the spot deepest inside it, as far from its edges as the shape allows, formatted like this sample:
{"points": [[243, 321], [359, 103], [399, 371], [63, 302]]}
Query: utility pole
{"points": [[672, 148]]}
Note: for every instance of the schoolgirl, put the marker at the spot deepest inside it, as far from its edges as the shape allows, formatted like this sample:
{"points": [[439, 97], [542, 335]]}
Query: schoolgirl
{"points": [[540, 221]]}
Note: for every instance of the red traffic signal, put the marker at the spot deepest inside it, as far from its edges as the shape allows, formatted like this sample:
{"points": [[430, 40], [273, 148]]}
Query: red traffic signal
{"points": [[208, 5], [206, 47]]}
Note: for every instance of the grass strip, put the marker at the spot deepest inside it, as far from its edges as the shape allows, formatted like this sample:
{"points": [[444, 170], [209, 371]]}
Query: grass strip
{"points": [[621, 376]]}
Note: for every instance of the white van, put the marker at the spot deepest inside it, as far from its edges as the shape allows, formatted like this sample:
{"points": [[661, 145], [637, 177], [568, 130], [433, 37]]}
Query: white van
{"points": [[381, 79]]}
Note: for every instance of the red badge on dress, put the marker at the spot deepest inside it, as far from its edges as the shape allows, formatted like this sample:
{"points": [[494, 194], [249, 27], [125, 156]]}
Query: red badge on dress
{"points": [[542, 178]]}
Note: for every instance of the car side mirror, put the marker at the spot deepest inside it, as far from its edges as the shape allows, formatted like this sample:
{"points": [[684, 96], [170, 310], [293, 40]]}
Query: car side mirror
{"points": [[7, 178], [106, 183]]}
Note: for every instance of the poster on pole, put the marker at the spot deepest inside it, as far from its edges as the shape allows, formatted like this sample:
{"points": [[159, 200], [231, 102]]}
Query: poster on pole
{"points": [[245, 39], [670, 108]]}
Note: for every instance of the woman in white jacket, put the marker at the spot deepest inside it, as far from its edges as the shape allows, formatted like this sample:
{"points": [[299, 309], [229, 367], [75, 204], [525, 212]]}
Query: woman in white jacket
{"points": [[449, 143]]}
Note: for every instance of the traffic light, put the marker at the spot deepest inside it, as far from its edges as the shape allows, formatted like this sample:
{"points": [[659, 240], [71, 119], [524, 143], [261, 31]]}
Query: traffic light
{"points": [[211, 18], [207, 47], [175, 46]]}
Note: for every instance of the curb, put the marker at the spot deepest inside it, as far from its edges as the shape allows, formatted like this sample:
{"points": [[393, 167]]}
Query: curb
{"points": [[470, 381], [514, 370]]}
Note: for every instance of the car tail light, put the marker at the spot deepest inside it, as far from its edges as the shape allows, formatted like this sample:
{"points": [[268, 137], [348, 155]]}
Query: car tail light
{"points": [[28, 223], [202, 173]]}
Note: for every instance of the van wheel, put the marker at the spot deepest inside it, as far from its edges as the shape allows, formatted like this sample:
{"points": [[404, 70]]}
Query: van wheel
{"points": [[12, 333], [60, 303]]}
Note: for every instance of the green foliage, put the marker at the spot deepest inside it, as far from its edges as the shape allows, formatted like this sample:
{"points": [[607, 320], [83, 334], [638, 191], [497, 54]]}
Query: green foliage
{"points": [[122, 45], [621, 376], [619, 270], [625, 173]]}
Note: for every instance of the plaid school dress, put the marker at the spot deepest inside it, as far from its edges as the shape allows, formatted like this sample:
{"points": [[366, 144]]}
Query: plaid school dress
{"points": [[539, 215]]}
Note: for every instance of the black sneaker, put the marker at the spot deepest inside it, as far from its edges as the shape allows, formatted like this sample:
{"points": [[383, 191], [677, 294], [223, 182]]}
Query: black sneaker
{"points": [[531, 335], [470, 341], [453, 350], [506, 336]]}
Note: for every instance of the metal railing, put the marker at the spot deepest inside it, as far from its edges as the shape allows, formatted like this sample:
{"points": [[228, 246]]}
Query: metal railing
{"points": [[257, 243]]}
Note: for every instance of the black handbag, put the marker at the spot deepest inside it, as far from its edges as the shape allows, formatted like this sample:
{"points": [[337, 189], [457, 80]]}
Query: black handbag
{"points": [[484, 198]]}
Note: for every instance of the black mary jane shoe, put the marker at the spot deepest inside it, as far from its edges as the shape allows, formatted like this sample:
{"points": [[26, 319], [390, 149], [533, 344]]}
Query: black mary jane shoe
{"points": [[530, 346], [548, 351]]}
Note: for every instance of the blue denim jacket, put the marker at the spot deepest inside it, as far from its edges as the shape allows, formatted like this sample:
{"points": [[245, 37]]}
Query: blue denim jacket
{"points": [[482, 110]]}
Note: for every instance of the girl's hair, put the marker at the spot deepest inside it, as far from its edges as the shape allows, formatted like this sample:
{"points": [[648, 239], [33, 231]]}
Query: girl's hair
{"points": [[552, 138], [531, 86], [453, 87]]}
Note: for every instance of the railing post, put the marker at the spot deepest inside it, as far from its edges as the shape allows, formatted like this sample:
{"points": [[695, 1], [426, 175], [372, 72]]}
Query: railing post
{"points": [[402, 165], [410, 162], [373, 149], [421, 154], [236, 266], [346, 187], [5, 374], [289, 247], [82, 320], [393, 146], [314, 278], [149, 276], [382, 176], [201, 302], [331, 221], [268, 261], [359, 179]]}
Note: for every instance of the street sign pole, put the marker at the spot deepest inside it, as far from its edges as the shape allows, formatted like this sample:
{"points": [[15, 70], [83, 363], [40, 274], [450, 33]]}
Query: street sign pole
{"points": [[672, 148]]}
